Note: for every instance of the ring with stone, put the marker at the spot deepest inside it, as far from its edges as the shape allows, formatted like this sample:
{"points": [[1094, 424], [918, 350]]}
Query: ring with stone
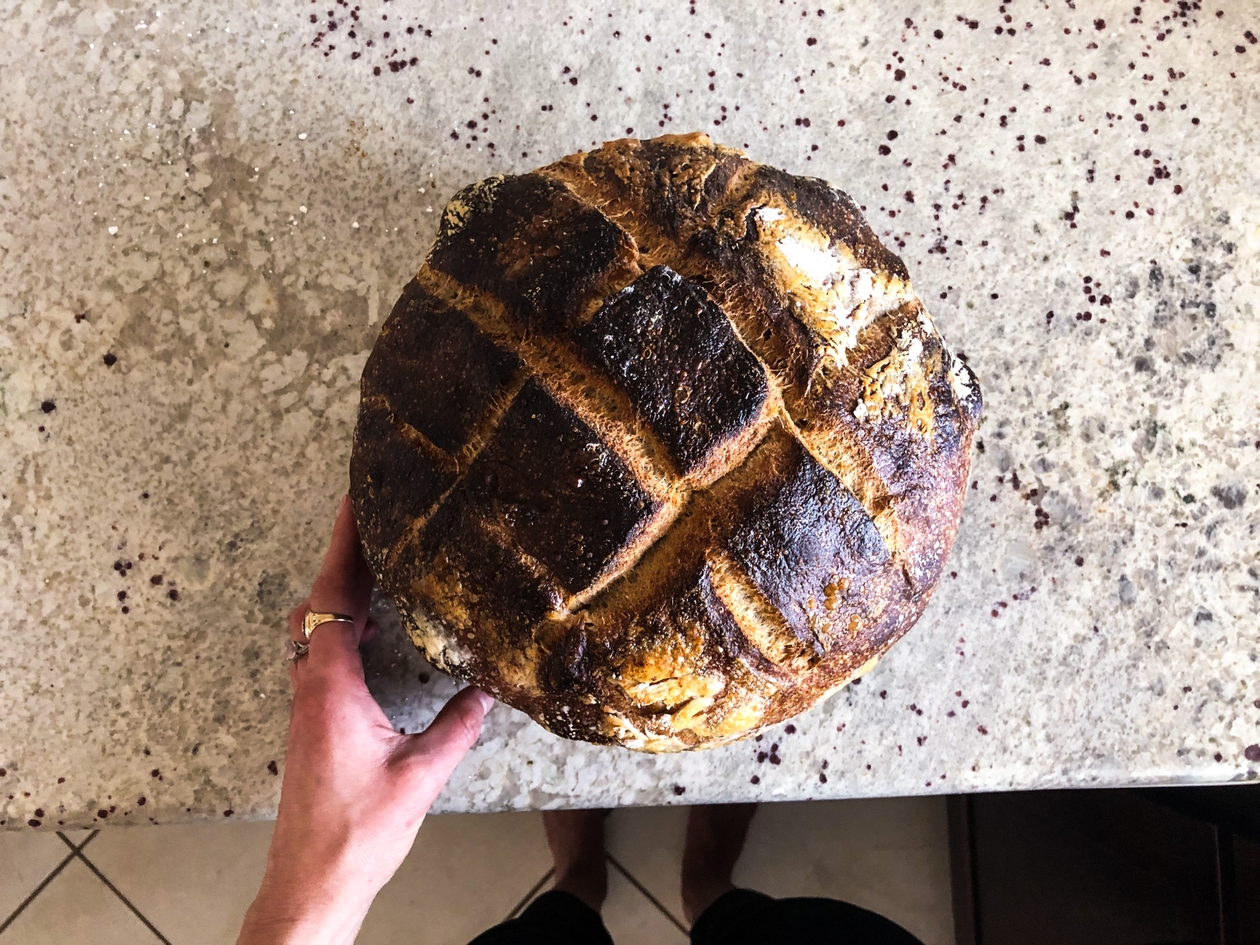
{"points": [[294, 651]]}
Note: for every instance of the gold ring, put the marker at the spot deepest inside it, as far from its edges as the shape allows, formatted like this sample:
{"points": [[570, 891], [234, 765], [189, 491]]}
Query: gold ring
{"points": [[313, 620]]}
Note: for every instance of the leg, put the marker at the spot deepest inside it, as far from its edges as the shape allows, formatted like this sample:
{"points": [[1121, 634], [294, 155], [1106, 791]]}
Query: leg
{"points": [[715, 839], [569, 913], [576, 838]]}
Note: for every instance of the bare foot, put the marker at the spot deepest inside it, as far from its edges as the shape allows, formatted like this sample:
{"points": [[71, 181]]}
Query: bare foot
{"points": [[576, 838], [715, 839]]}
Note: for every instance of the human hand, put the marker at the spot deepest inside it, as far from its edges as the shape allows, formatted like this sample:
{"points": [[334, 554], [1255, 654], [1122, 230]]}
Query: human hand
{"points": [[355, 791]]}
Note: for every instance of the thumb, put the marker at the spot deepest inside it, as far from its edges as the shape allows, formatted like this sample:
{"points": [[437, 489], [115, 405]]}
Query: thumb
{"points": [[431, 756]]}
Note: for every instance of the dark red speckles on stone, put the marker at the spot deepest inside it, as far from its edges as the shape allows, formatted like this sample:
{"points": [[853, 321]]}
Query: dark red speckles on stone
{"points": [[32, 823], [1252, 752], [271, 767], [885, 150], [754, 780], [982, 730], [938, 34], [173, 594], [110, 359], [48, 406], [679, 790], [1100, 24], [811, 42], [229, 812]]}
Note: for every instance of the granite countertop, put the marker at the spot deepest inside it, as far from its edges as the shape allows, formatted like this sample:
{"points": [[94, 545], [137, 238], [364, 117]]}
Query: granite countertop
{"points": [[206, 213]]}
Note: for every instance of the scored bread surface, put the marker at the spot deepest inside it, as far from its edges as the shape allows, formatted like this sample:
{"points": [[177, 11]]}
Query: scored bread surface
{"points": [[659, 446]]}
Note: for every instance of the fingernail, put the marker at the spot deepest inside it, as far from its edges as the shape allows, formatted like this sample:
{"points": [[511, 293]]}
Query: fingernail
{"points": [[487, 702]]}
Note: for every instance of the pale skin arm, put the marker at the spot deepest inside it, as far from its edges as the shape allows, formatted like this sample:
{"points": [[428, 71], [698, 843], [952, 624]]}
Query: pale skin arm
{"points": [[355, 791]]}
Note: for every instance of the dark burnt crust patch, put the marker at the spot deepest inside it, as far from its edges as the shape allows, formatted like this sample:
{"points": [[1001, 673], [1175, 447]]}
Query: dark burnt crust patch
{"points": [[804, 539], [394, 480], [458, 547], [674, 352], [438, 370], [535, 245], [566, 498]]}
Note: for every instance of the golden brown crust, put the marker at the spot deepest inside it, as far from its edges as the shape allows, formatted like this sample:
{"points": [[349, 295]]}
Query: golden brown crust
{"points": [[660, 447]]}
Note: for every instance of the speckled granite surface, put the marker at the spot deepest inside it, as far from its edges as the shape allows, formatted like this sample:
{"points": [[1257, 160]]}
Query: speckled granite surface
{"points": [[205, 215]]}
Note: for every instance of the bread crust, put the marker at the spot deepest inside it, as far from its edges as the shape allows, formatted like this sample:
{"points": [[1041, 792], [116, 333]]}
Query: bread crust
{"points": [[659, 446]]}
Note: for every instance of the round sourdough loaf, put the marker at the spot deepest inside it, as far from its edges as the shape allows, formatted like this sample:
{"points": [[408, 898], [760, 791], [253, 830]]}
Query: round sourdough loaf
{"points": [[659, 446]]}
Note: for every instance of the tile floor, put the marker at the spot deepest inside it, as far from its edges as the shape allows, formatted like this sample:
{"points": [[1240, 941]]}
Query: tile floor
{"points": [[191, 885]]}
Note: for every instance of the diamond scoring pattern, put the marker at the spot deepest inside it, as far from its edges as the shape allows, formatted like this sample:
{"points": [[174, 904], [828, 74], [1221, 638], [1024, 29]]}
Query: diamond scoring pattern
{"points": [[548, 483]]}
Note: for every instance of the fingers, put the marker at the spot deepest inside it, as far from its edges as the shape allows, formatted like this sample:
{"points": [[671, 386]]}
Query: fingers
{"points": [[433, 754], [344, 584]]}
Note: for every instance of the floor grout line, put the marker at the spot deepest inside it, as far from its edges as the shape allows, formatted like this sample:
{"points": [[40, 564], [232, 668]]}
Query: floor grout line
{"points": [[530, 895], [643, 889], [77, 846], [115, 890], [36, 891]]}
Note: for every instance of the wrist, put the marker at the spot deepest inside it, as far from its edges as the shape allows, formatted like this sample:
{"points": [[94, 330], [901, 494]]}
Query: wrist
{"points": [[282, 914], [325, 905]]}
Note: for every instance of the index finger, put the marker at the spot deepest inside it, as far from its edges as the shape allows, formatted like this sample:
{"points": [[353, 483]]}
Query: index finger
{"points": [[344, 586], [344, 583]]}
